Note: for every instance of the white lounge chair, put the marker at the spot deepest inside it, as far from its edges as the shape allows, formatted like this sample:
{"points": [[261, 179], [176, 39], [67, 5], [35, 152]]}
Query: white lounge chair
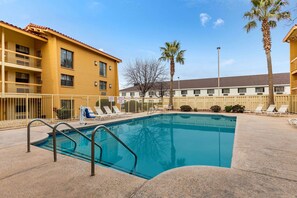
{"points": [[281, 111], [259, 108], [117, 111], [293, 121], [100, 112], [108, 111], [270, 110]]}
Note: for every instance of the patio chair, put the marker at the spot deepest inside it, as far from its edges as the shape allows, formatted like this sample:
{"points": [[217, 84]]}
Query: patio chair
{"points": [[108, 111], [281, 111], [270, 110], [259, 108], [100, 112], [117, 111]]}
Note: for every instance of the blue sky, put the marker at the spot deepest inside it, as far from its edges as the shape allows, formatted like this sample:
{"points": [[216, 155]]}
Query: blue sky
{"points": [[132, 29]]}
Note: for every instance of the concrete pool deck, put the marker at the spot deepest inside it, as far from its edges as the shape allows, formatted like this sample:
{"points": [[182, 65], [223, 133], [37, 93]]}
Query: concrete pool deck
{"points": [[264, 164]]}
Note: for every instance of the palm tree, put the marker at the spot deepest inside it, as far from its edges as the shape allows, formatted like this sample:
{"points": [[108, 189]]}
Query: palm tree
{"points": [[172, 53], [268, 13]]}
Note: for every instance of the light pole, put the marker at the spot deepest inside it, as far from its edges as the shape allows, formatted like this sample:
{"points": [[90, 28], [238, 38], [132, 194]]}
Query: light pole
{"points": [[178, 86], [218, 48]]}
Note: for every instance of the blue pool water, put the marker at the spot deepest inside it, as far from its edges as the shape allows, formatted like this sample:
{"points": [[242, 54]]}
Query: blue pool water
{"points": [[161, 142]]}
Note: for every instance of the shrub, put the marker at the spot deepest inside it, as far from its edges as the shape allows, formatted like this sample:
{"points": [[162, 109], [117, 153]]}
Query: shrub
{"points": [[63, 113], [238, 108], [228, 108], [215, 108], [195, 109], [104, 102], [185, 108]]}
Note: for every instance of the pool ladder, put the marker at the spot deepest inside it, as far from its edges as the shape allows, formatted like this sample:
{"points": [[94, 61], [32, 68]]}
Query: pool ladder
{"points": [[92, 140]]}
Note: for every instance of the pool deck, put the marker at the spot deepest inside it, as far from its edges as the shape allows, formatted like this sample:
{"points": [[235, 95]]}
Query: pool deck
{"points": [[264, 164]]}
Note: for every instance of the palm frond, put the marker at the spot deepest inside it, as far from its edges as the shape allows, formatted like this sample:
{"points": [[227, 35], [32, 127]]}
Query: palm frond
{"points": [[250, 25], [272, 24]]}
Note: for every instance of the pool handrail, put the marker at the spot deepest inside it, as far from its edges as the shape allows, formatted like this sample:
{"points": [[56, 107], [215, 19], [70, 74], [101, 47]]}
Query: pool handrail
{"points": [[76, 130], [42, 121], [114, 136]]}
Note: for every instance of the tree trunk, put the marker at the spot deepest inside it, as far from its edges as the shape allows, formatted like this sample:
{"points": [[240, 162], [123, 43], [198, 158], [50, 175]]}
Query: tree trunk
{"points": [[270, 78], [171, 83], [142, 105], [267, 47]]}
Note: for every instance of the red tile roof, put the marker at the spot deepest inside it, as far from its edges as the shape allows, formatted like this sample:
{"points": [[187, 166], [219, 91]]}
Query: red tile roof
{"points": [[234, 81], [27, 28]]}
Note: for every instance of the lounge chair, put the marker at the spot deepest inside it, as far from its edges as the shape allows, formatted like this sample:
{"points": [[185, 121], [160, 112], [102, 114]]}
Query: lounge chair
{"points": [[293, 121], [117, 111], [281, 111], [259, 108], [108, 111], [157, 108], [100, 112], [270, 110]]}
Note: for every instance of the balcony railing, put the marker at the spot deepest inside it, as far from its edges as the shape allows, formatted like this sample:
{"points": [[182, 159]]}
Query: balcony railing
{"points": [[17, 87], [13, 58]]}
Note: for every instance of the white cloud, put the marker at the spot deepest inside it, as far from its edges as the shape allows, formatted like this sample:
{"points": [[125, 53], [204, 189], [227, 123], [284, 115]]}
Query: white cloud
{"points": [[218, 22], [228, 62], [204, 18]]}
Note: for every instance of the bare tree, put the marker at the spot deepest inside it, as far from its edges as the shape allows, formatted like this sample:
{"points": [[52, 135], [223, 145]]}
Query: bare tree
{"points": [[144, 74], [161, 88]]}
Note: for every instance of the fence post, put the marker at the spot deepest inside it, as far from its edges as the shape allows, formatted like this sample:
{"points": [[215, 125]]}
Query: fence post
{"points": [[27, 107], [71, 107], [52, 107]]}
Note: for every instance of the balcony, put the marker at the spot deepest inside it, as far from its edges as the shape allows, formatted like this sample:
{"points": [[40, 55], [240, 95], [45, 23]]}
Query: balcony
{"points": [[18, 60], [17, 87]]}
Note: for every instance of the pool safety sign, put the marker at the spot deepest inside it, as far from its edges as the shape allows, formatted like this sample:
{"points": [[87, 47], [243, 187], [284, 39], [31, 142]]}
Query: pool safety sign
{"points": [[110, 98]]}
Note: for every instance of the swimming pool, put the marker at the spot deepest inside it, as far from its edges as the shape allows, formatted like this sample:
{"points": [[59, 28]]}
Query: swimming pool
{"points": [[161, 142]]}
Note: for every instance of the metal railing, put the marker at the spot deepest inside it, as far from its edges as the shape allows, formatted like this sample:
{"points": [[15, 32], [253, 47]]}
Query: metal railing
{"points": [[42, 121], [71, 127], [114, 136]]}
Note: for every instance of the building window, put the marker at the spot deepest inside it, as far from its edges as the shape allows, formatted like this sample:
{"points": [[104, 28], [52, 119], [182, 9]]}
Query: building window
{"points": [[151, 93], [103, 85], [259, 89], [184, 92], [23, 50], [67, 80], [102, 69], [66, 58], [210, 91], [241, 90], [226, 91], [68, 104], [279, 89], [132, 94], [22, 77], [123, 93], [197, 92]]}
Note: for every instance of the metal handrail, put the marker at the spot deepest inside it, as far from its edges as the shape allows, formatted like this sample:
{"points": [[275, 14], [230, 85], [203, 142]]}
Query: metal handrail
{"points": [[71, 127], [42, 121], [93, 148]]}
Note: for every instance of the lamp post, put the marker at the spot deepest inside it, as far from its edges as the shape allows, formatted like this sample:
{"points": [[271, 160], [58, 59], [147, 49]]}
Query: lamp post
{"points": [[218, 48], [178, 86]]}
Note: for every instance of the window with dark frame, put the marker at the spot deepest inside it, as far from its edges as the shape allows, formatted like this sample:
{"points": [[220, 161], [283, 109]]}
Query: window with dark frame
{"points": [[210, 91], [123, 93], [23, 50], [22, 77], [259, 89], [241, 90], [67, 80], [184, 92], [68, 104], [66, 58], [103, 69], [197, 92], [103, 85], [132, 94], [226, 91], [279, 89]]}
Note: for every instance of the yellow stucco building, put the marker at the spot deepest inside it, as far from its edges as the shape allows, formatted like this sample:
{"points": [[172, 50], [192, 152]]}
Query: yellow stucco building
{"points": [[39, 60], [291, 38]]}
